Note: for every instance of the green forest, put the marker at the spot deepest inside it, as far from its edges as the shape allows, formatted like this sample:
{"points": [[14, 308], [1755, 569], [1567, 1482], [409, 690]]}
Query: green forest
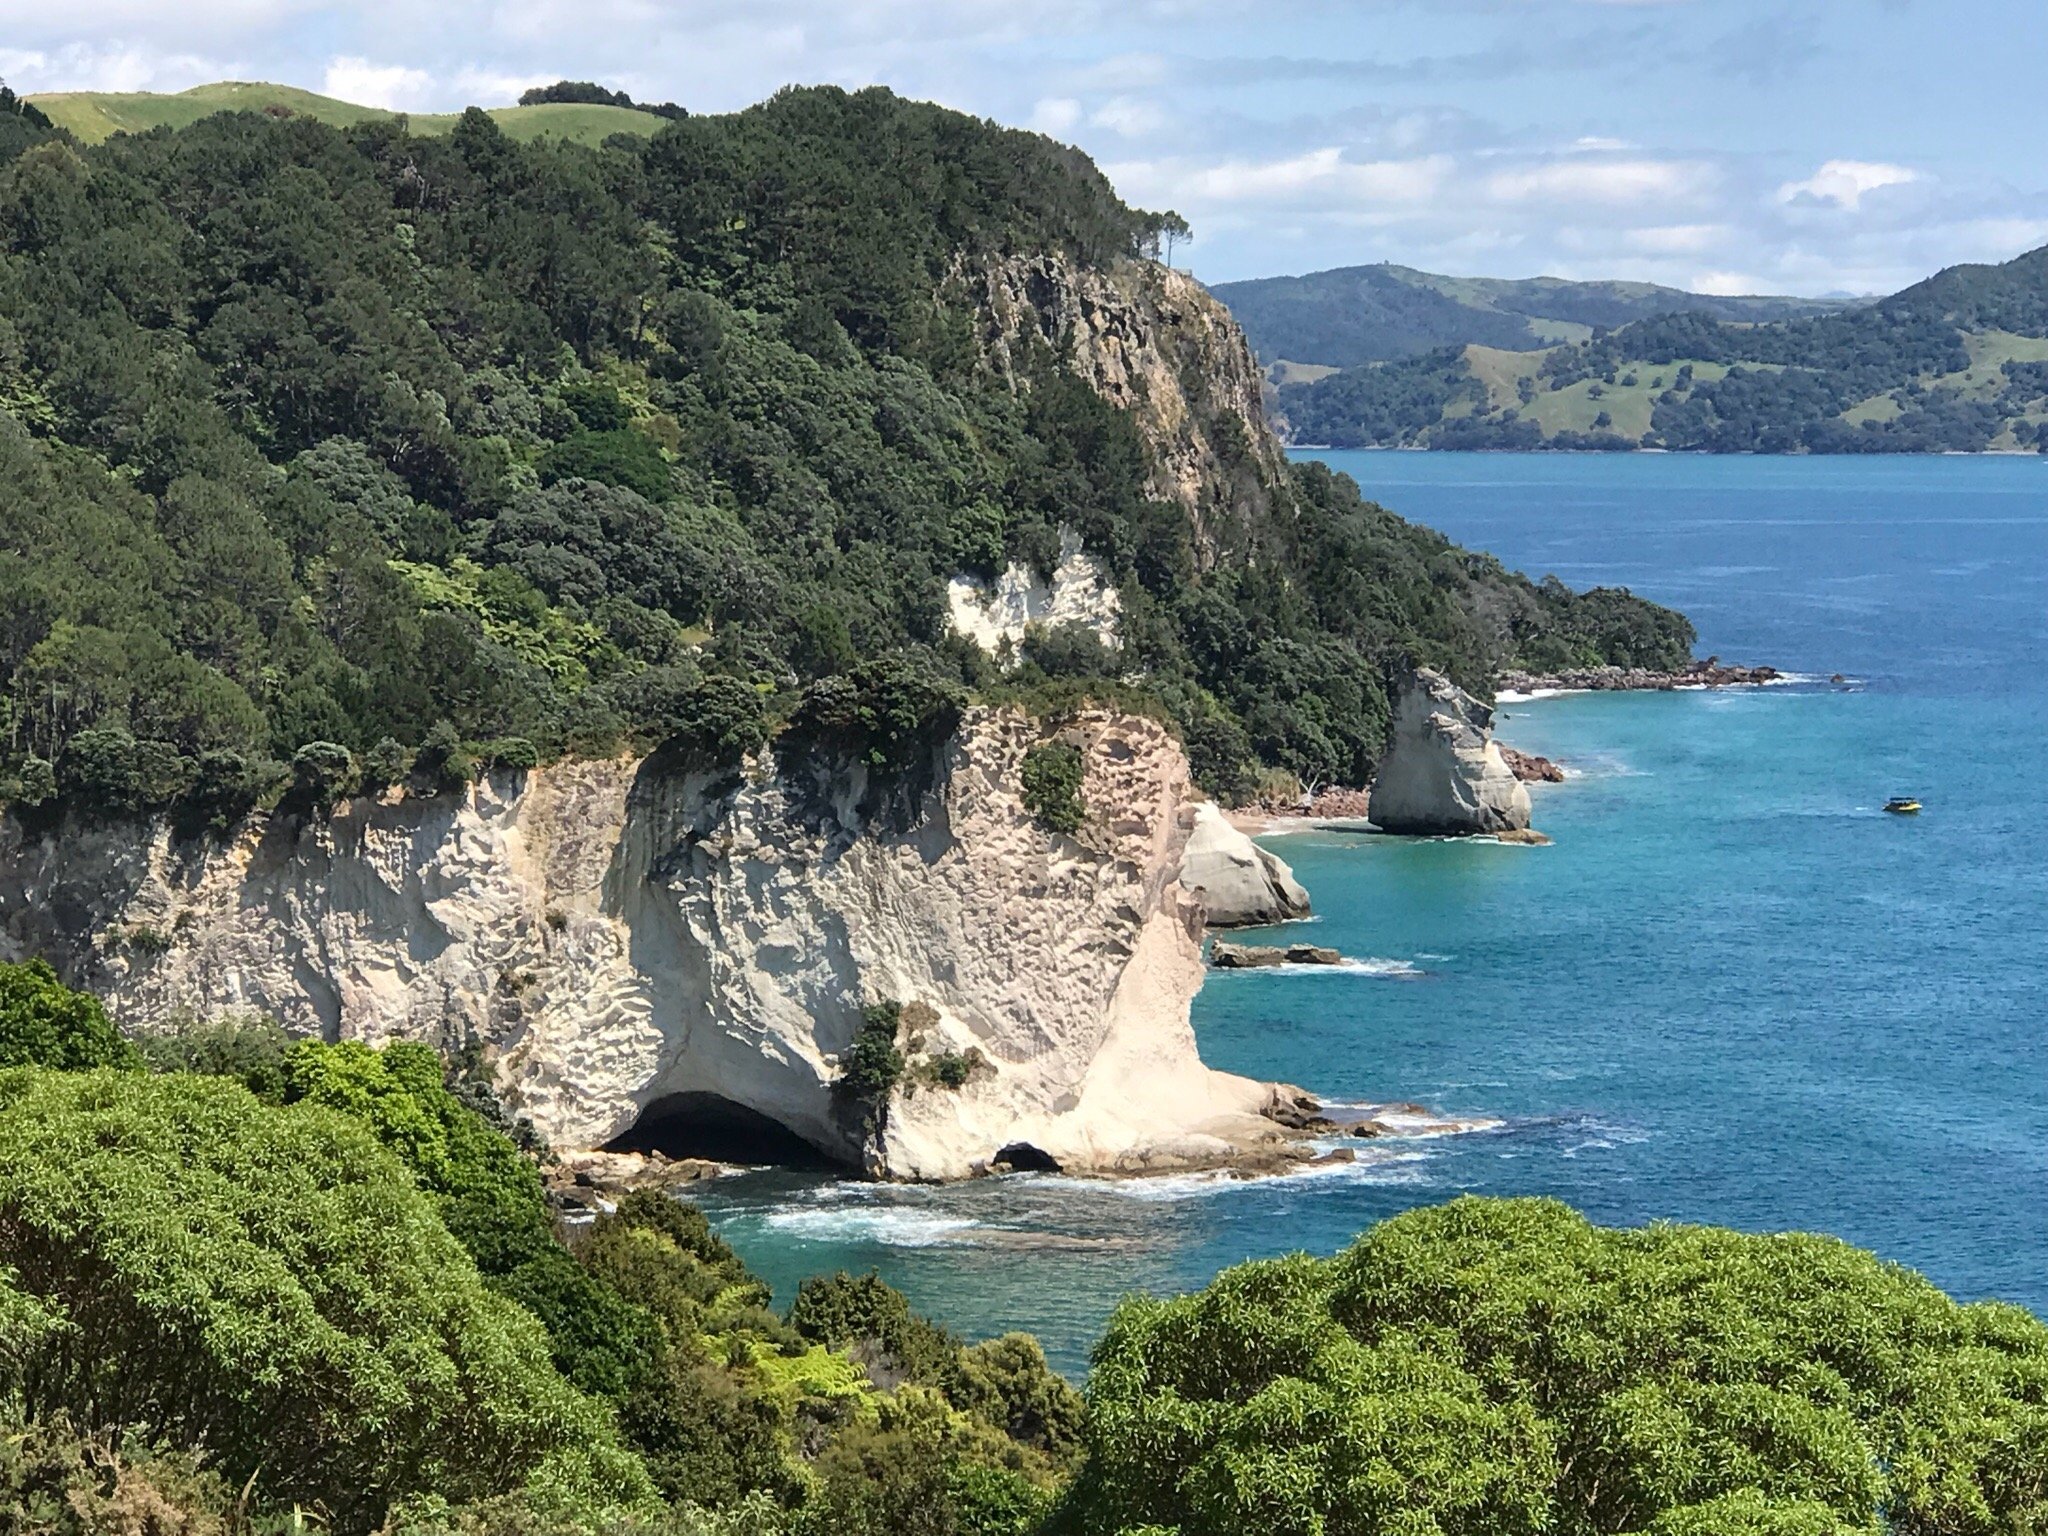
{"points": [[1351, 316], [1957, 364], [337, 458], [251, 1287]]}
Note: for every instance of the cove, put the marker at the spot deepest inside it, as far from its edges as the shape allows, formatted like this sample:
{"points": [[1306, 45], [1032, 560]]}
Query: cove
{"points": [[1733, 991]]}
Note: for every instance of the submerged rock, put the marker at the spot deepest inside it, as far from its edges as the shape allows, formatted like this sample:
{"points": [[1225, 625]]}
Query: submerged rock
{"points": [[1238, 883], [1249, 957], [1443, 775]]}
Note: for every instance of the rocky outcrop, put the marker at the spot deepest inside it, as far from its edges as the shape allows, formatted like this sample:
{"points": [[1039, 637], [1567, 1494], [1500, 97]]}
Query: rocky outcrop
{"points": [[1253, 957], [1701, 674], [1238, 883], [1530, 768], [631, 941], [1442, 774], [1158, 344], [999, 613]]}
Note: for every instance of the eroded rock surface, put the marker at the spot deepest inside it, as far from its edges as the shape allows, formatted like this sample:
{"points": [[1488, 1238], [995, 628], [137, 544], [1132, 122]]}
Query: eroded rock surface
{"points": [[1442, 774], [1002, 612], [1154, 342], [620, 937], [1239, 884]]}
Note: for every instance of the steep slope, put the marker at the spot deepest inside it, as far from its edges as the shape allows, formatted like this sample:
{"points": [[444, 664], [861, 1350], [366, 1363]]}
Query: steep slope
{"points": [[1957, 363], [1352, 316], [94, 116]]}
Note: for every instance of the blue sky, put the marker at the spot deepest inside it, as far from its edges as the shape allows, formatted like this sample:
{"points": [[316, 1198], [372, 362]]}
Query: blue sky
{"points": [[1734, 145]]}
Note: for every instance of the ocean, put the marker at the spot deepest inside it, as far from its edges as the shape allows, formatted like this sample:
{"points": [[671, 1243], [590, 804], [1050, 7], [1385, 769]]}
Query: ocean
{"points": [[1733, 991]]}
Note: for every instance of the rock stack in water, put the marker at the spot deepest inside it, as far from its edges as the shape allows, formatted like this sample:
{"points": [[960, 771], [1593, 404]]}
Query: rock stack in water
{"points": [[1442, 774], [1239, 884]]}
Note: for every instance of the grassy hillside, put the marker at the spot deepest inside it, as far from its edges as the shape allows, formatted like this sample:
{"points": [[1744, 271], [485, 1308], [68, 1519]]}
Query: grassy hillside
{"points": [[1958, 363], [95, 116], [1357, 315]]}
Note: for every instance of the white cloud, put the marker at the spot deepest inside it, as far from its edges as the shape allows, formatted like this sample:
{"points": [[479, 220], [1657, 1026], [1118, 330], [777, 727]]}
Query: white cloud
{"points": [[1130, 117], [1728, 285], [398, 87], [1056, 115], [1323, 176], [1845, 183], [105, 67], [1602, 181], [1677, 239]]}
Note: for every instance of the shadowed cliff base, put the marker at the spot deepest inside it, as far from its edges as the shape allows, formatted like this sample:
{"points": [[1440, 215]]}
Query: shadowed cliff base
{"points": [[710, 1126]]}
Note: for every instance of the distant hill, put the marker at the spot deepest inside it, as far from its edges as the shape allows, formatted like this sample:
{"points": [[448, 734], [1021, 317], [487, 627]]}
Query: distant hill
{"points": [[95, 116], [1958, 363], [1356, 315]]}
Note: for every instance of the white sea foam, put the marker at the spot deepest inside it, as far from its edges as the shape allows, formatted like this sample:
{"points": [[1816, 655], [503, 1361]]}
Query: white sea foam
{"points": [[1515, 696], [891, 1226], [1369, 966]]}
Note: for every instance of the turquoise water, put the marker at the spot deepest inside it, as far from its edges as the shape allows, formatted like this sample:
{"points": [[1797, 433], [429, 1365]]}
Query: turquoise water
{"points": [[1733, 991]]}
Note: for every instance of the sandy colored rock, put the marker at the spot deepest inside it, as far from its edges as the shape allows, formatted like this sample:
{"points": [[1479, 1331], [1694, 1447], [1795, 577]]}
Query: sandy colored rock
{"points": [[1239, 884], [616, 935], [1002, 612], [1249, 957], [1442, 774]]}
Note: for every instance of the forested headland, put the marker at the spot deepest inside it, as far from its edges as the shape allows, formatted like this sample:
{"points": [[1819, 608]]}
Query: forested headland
{"points": [[339, 458], [1958, 363]]}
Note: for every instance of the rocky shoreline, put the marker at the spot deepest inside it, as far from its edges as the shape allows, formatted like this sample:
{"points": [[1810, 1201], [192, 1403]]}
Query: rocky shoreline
{"points": [[1701, 674]]}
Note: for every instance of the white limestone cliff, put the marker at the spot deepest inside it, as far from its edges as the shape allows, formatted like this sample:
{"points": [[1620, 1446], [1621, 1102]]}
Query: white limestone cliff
{"points": [[1442, 773], [995, 613], [617, 936], [1239, 884]]}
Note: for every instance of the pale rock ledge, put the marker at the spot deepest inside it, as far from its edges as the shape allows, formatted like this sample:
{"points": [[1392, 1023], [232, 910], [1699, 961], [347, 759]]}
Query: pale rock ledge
{"points": [[624, 939]]}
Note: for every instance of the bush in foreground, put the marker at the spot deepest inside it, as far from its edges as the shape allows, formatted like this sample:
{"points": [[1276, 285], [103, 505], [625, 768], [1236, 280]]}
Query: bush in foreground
{"points": [[1493, 1367], [180, 1260]]}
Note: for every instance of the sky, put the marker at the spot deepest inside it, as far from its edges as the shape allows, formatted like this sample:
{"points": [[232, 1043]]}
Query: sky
{"points": [[1733, 146]]}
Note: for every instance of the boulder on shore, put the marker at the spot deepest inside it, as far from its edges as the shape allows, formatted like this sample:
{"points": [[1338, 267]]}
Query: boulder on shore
{"points": [[1530, 768], [1442, 774], [1248, 957], [1238, 883]]}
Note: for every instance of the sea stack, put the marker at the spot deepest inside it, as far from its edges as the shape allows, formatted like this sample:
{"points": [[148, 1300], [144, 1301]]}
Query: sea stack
{"points": [[1442, 774], [1238, 883]]}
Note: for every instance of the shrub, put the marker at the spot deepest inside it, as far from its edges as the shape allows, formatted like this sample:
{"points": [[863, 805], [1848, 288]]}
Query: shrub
{"points": [[322, 772], [248, 1048], [1504, 1366], [870, 1067], [1053, 772], [951, 1069], [269, 1284], [509, 752], [866, 1314], [385, 764], [443, 761], [44, 1023]]}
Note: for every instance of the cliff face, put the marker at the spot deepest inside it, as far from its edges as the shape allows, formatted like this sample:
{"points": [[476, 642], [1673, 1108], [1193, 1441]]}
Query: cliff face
{"points": [[1155, 342], [624, 937]]}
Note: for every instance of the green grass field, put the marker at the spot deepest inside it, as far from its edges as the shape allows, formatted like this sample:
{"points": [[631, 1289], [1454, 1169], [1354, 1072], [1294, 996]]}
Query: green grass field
{"points": [[95, 116]]}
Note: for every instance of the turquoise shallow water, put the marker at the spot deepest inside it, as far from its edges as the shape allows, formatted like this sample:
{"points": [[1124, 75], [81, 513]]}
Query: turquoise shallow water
{"points": [[1734, 991]]}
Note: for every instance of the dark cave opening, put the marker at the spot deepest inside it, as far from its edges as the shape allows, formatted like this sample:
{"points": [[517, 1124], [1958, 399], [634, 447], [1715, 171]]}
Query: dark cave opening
{"points": [[1022, 1157], [706, 1125]]}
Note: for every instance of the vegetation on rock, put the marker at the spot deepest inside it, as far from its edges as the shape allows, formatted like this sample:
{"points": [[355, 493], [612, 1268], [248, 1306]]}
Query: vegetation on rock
{"points": [[457, 452]]}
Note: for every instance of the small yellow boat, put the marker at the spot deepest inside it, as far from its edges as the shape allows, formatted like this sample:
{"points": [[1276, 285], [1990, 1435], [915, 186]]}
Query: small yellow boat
{"points": [[1903, 805]]}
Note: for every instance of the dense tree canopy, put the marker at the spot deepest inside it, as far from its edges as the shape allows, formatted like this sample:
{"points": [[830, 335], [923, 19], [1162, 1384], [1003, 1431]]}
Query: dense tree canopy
{"points": [[1492, 1367], [270, 1285], [440, 453]]}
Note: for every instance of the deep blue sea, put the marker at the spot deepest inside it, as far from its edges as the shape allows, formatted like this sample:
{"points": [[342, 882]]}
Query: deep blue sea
{"points": [[1734, 990]]}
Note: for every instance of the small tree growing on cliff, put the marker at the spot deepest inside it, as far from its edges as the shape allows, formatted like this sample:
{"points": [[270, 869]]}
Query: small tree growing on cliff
{"points": [[1053, 772]]}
